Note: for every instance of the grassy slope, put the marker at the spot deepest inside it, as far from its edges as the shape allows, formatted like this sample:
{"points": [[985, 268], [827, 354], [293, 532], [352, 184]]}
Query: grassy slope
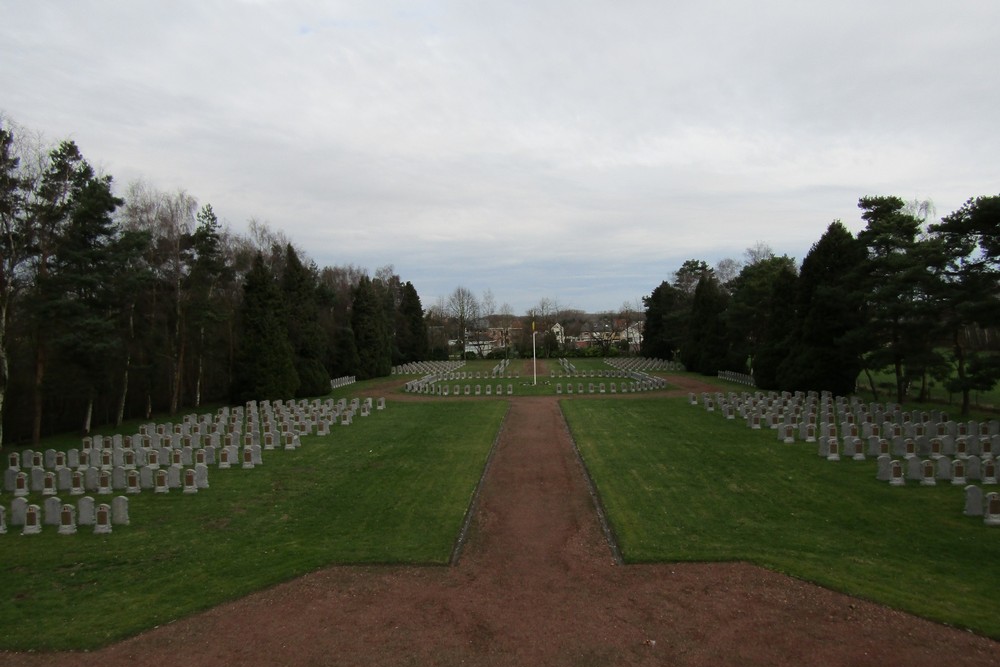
{"points": [[683, 484]]}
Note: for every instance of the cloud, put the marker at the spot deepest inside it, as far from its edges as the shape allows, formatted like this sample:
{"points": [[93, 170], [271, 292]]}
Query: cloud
{"points": [[577, 152]]}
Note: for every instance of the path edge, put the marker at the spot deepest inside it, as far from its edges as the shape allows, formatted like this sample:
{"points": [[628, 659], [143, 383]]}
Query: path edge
{"points": [[595, 495], [470, 511]]}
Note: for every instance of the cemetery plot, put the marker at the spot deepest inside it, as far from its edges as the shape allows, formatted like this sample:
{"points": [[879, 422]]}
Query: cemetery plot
{"points": [[682, 484], [921, 448], [171, 456], [602, 376], [388, 489]]}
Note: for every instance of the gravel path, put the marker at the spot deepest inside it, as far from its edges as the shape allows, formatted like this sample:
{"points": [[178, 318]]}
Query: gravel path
{"points": [[537, 585]]}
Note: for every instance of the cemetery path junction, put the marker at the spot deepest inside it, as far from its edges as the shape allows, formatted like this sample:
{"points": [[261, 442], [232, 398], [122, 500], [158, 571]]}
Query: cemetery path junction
{"points": [[537, 584]]}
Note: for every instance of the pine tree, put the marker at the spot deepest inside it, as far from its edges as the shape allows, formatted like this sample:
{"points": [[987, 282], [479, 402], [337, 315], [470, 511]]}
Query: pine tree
{"points": [[371, 334], [265, 363], [826, 338], [411, 328], [665, 320], [301, 317], [705, 349]]}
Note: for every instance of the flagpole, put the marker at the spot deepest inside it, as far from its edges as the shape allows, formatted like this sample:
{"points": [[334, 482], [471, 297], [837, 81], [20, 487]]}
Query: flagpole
{"points": [[534, 360]]}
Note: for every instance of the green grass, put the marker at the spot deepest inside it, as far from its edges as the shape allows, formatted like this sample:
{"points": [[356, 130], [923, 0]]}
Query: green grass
{"points": [[681, 484], [391, 488]]}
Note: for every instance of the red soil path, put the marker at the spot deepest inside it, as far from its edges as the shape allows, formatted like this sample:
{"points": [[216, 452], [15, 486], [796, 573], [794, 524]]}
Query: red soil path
{"points": [[536, 584]]}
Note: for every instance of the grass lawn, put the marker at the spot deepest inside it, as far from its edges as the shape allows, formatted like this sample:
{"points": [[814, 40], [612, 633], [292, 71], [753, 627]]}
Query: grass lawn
{"points": [[391, 488], [682, 484]]}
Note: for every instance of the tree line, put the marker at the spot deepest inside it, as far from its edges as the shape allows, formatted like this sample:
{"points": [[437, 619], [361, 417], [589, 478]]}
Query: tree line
{"points": [[114, 307], [917, 299]]}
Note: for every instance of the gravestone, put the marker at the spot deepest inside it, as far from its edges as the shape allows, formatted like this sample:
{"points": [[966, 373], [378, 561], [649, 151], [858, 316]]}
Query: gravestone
{"points": [[989, 471], [3, 520], [49, 484], [974, 468], [201, 475], [884, 472], [132, 483], [927, 471], [51, 510], [102, 520], [973, 501], [189, 481], [914, 470], [944, 468], [32, 521], [992, 515], [21, 485], [104, 482], [160, 482], [67, 520], [77, 483], [119, 510], [18, 507], [958, 472], [896, 474], [834, 450]]}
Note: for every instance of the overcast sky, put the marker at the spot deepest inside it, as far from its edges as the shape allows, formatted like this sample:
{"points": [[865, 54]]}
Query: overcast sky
{"points": [[572, 150]]}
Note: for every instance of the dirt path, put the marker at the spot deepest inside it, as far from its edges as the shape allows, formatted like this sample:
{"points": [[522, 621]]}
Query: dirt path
{"points": [[537, 585]]}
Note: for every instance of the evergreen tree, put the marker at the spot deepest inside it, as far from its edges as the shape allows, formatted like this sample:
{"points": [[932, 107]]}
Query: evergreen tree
{"points": [[371, 335], [265, 363], [411, 329], [13, 250], [970, 290], [299, 288], [83, 326], [776, 334], [51, 205], [203, 311], [664, 322], [826, 340], [705, 349], [752, 308], [894, 281], [345, 359]]}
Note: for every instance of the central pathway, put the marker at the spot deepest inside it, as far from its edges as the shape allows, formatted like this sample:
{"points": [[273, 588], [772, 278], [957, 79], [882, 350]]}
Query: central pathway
{"points": [[536, 584]]}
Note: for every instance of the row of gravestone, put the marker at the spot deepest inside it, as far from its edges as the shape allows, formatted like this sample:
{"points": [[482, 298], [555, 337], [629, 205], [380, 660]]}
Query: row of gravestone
{"points": [[426, 367], [148, 475], [967, 465], [813, 420], [987, 507], [616, 373], [443, 389], [928, 472], [130, 480], [337, 383], [738, 378], [66, 517], [500, 368], [626, 387], [644, 364]]}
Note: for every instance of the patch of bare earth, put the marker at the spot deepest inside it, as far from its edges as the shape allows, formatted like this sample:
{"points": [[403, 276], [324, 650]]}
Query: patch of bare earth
{"points": [[537, 585]]}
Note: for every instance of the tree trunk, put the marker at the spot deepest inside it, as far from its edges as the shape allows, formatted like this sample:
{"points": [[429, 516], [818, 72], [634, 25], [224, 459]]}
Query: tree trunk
{"points": [[88, 415], [120, 417], [36, 424], [962, 382], [199, 367], [4, 365], [871, 383], [178, 376]]}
